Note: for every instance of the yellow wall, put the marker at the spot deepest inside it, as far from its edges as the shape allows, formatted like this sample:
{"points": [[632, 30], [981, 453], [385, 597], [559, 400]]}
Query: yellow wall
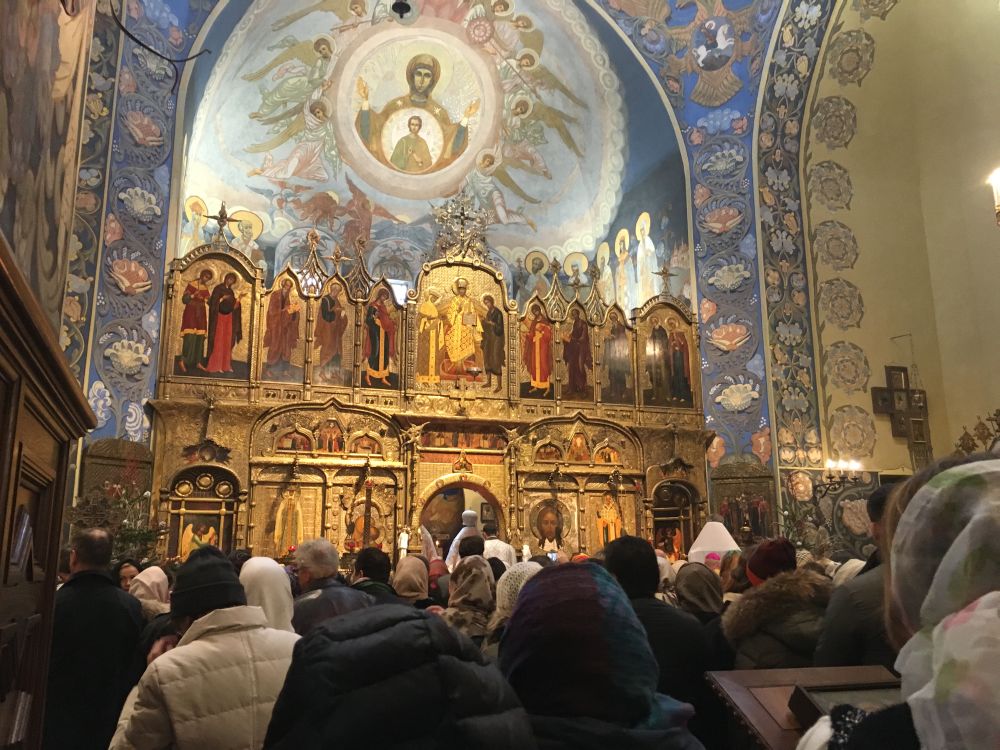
{"points": [[929, 246]]}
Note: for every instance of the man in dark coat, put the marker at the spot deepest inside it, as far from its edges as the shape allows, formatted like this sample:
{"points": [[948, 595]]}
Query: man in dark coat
{"points": [[394, 676], [632, 562], [324, 596], [371, 576], [854, 624], [96, 628]]}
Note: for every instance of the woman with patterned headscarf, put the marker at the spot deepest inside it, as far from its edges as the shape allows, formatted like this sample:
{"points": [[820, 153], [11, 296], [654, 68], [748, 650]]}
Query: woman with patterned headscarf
{"points": [[581, 663], [472, 597], [508, 587], [942, 612]]}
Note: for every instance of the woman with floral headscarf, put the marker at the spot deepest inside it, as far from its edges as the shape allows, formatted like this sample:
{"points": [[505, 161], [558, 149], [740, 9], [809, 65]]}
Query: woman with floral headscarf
{"points": [[942, 611], [508, 587], [472, 597]]}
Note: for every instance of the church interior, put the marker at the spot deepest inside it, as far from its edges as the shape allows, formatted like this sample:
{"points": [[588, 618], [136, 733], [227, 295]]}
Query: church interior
{"points": [[277, 270]]}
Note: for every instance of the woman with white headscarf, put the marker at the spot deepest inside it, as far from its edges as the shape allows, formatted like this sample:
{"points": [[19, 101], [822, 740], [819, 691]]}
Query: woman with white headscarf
{"points": [[508, 587], [267, 586], [152, 588], [942, 610]]}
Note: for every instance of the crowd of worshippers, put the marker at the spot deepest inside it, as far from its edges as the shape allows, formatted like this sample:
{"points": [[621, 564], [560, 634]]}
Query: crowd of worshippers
{"points": [[608, 651]]}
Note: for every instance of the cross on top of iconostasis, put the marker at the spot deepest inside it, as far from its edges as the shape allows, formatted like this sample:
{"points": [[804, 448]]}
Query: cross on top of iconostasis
{"points": [[907, 411]]}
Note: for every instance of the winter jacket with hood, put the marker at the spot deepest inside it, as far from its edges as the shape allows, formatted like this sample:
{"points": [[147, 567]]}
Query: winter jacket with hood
{"points": [[778, 623], [216, 689]]}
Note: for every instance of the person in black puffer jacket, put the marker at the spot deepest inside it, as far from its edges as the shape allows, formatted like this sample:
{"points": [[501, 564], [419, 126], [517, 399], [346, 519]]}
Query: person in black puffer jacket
{"points": [[398, 677]]}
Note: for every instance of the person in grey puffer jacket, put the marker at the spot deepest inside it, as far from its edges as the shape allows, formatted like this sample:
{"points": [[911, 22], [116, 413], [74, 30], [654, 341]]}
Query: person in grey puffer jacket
{"points": [[217, 687]]}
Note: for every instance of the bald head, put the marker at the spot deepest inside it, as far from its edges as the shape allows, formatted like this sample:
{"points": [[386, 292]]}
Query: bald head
{"points": [[90, 549]]}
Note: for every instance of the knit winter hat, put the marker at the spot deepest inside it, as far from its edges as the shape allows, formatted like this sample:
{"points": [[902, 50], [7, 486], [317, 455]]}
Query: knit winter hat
{"points": [[573, 647], [771, 557], [204, 583]]}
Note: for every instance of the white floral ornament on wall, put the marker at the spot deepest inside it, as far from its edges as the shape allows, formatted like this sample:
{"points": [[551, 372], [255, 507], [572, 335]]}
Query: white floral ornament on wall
{"points": [[831, 185], [835, 244], [848, 366], [851, 56], [852, 432], [841, 304], [835, 121]]}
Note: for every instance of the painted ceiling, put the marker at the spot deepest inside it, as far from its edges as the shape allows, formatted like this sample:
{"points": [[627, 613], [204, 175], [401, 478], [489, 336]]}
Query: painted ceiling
{"points": [[336, 115]]}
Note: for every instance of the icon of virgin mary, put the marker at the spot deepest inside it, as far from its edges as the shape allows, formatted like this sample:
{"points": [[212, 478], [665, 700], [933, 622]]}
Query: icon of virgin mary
{"points": [[422, 74]]}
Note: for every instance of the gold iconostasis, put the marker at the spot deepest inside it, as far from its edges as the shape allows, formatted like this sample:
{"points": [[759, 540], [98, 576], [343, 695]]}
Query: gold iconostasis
{"points": [[326, 405]]}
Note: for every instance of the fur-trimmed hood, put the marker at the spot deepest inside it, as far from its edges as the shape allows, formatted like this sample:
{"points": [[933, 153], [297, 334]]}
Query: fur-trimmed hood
{"points": [[787, 596]]}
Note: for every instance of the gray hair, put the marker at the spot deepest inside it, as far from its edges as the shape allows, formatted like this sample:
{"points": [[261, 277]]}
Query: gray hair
{"points": [[319, 556]]}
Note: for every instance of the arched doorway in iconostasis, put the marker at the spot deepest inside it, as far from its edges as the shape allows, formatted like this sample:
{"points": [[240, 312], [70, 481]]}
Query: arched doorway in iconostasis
{"points": [[447, 498], [674, 504]]}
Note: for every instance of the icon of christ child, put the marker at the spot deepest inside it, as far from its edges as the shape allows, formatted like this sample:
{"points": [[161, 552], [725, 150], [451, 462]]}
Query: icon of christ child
{"points": [[412, 153]]}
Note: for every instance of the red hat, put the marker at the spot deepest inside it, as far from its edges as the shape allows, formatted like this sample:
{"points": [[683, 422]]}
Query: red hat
{"points": [[771, 557]]}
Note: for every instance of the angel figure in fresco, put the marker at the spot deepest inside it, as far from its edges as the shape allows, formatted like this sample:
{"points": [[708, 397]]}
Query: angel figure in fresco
{"points": [[331, 323], [609, 521], [288, 528], [422, 74], [482, 184], [463, 329], [380, 341], [712, 42], [551, 117], [195, 536], [282, 333], [316, 147], [537, 348], [540, 78], [578, 356], [343, 9], [194, 322], [357, 215], [511, 34], [225, 325], [302, 68], [521, 138]]}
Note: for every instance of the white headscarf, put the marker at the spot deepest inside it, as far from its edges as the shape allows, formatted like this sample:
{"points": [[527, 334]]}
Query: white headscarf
{"points": [[714, 537], [268, 587], [152, 589], [667, 572], [945, 566], [508, 587], [847, 570]]}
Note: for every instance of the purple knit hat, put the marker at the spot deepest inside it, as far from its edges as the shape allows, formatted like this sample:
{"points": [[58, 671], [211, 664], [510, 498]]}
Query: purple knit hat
{"points": [[574, 647]]}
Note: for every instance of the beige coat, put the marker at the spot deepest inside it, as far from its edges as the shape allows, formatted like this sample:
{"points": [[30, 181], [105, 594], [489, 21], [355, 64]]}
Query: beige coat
{"points": [[215, 690]]}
